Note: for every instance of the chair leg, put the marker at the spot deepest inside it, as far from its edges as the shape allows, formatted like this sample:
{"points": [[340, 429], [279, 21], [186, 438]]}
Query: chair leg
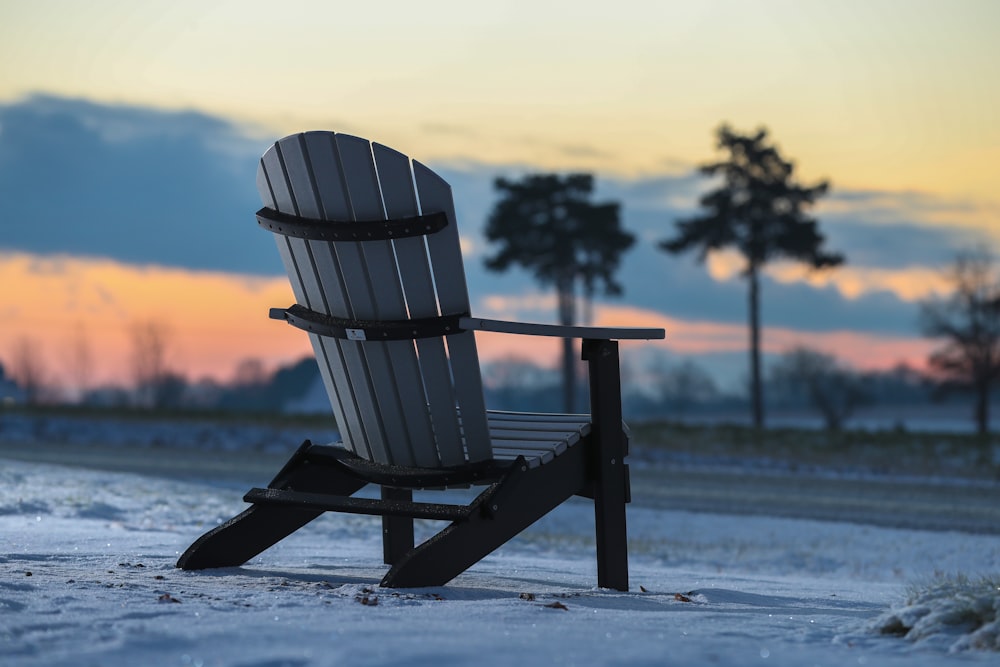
{"points": [[397, 531], [258, 527], [502, 511], [612, 535]]}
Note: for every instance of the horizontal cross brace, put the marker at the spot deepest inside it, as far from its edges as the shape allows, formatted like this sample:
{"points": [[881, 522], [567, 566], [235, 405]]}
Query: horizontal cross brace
{"points": [[313, 229], [330, 503]]}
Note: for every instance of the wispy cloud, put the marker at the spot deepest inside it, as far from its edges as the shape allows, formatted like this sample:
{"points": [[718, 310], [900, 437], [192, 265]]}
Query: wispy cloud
{"points": [[912, 283], [585, 151], [976, 219], [450, 129]]}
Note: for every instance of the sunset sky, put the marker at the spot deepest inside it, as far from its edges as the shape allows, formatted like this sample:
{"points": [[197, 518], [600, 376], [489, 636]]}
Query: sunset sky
{"points": [[129, 133]]}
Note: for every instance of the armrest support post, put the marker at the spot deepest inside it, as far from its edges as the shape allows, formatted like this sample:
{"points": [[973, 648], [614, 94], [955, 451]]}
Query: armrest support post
{"points": [[608, 453]]}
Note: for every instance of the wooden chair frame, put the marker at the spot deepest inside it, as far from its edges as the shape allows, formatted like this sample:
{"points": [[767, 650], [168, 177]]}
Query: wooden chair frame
{"points": [[524, 480]]}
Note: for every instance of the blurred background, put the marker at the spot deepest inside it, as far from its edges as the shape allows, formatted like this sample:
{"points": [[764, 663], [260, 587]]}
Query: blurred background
{"points": [[132, 271]]}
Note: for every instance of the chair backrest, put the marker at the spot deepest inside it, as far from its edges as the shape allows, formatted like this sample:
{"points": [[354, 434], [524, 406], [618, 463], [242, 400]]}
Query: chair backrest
{"points": [[407, 402]]}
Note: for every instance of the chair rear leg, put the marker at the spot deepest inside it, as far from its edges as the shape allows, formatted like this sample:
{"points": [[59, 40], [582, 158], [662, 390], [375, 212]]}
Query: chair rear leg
{"points": [[397, 531]]}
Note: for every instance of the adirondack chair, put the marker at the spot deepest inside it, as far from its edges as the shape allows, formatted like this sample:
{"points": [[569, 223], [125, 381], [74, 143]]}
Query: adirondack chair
{"points": [[371, 247]]}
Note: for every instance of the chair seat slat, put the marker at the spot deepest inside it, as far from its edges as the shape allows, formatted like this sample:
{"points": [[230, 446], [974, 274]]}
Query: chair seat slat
{"points": [[538, 417], [532, 456], [532, 438], [582, 429]]}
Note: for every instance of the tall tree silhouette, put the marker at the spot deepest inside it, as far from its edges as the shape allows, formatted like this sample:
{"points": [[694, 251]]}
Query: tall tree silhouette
{"points": [[547, 224], [969, 322], [759, 210]]}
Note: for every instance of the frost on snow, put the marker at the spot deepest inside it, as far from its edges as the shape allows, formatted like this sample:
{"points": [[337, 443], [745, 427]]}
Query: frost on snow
{"points": [[958, 610]]}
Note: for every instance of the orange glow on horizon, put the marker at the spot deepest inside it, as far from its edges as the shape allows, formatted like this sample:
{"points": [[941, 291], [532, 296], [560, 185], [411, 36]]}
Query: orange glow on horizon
{"points": [[212, 320], [216, 320], [692, 338], [862, 351]]}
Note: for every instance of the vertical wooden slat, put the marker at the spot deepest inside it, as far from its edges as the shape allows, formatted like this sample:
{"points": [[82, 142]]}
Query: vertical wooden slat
{"points": [[394, 364], [315, 175], [418, 287], [364, 418], [345, 362], [272, 185], [317, 270], [453, 296]]}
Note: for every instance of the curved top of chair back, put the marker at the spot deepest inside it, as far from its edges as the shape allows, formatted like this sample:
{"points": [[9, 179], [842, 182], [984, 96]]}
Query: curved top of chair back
{"points": [[406, 402]]}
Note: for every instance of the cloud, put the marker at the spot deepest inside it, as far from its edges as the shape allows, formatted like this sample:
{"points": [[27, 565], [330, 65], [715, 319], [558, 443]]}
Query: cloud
{"points": [[719, 347], [888, 265], [884, 205], [909, 283], [862, 350], [675, 193], [134, 184], [146, 186], [900, 238], [450, 129], [584, 151]]}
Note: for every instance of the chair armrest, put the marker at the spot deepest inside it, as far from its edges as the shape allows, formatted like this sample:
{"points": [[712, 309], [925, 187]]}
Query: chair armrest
{"points": [[561, 331]]}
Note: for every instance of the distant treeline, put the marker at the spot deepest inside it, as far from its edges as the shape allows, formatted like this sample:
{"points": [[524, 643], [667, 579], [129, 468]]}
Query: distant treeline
{"points": [[658, 386]]}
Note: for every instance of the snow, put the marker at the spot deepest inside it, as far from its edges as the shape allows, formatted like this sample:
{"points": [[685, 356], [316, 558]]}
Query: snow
{"points": [[87, 578], [948, 607]]}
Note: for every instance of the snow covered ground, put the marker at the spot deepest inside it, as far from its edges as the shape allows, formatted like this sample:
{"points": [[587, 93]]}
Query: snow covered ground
{"points": [[87, 578]]}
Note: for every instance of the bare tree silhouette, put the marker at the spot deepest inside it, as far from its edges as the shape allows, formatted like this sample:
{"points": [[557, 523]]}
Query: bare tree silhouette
{"points": [[28, 370], [150, 374], [968, 321], [682, 385], [836, 392], [81, 360]]}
